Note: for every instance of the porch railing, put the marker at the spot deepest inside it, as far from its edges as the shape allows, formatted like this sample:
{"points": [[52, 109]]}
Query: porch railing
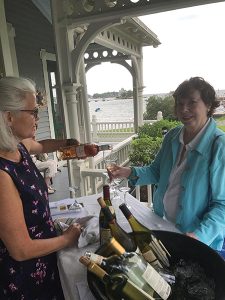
{"points": [[92, 179], [113, 131], [89, 174]]}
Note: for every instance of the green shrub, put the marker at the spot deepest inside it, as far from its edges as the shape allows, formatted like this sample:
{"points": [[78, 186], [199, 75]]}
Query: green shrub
{"points": [[148, 142], [144, 150], [155, 129]]}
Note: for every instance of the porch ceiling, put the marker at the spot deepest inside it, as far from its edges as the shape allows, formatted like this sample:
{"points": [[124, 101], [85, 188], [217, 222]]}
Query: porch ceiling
{"points": [[138, 32], [91, 11], [128, 37]]}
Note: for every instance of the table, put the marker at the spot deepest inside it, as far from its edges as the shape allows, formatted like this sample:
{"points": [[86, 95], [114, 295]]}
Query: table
{"points": [[72, 273]]}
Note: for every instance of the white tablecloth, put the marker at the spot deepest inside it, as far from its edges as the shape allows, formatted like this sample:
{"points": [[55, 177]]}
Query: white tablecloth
{"points": [[72, 273]]}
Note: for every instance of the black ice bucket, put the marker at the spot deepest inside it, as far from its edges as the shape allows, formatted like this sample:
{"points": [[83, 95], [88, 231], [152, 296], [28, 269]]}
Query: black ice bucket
{"points": [[180, 246]]}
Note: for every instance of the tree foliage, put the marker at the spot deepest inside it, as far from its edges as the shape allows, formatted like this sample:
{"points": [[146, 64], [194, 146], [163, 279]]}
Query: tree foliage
{"points": [[122, 94], [156, 103], [125, 94]]}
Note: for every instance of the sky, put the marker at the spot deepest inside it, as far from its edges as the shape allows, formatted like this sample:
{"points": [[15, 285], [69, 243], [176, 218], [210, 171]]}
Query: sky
{"points": [[192, 44]]}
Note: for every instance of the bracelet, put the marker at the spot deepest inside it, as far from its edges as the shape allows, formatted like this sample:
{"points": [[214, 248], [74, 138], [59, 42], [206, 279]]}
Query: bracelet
{"points": [[71, 142]]}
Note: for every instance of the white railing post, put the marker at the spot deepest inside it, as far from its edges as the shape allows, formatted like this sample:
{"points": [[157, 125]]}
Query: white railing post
{"points": [[95, 129], [159, 116], [76, 168], [149, 192], [138, 192]]}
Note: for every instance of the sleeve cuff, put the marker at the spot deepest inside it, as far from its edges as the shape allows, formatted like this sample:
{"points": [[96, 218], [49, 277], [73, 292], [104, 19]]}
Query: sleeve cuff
{"points": [[133, 176]]}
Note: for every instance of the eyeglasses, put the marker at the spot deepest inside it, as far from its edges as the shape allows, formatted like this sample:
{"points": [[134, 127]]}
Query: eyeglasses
{"points": [[33, 112]]}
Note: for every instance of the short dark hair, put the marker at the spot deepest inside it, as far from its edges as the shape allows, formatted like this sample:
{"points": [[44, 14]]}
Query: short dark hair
{"points": [[207, 92]]}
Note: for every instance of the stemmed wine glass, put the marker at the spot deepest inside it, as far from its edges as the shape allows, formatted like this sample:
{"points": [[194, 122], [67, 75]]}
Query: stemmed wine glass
{"points": [[109, 161], [76, 205], [125, 190]]}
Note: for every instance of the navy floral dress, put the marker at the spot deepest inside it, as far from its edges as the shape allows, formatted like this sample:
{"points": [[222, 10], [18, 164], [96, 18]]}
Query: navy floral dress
{"points": [[38, 278]]}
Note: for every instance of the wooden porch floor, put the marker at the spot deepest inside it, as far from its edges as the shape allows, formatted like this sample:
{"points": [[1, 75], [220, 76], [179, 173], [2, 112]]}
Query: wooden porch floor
{"points": [[61, 184]]}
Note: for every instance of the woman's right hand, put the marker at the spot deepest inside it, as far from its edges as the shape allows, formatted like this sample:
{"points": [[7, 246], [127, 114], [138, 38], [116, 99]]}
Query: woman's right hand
{"points": [[118, 172], [71, 234]]}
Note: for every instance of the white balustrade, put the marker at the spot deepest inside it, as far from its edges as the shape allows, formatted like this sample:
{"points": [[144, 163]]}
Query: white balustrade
{"points": [[92, 180], [111, 131]]}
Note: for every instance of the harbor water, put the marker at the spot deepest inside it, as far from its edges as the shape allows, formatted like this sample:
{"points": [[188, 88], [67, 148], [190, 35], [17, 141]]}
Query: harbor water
{"points": [[113, 110]]}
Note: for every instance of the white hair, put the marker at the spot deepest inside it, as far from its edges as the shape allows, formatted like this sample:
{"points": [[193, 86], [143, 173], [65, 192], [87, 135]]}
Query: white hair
{"points": [[13, 91]]}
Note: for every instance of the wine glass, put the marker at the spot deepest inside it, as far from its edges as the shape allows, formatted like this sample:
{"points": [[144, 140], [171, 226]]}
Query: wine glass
{"points": [[109, 161], [125, 190], [76, 205]]}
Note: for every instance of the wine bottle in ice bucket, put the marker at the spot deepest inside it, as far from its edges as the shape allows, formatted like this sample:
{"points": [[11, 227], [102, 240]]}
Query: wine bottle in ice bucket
{"points": [[106, 198], [135, 267], [151, 248], [117, 286], [118, 233]]}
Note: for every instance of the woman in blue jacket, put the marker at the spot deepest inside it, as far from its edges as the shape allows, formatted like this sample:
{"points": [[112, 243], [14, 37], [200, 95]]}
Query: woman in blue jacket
{"points": [[189, 169]]}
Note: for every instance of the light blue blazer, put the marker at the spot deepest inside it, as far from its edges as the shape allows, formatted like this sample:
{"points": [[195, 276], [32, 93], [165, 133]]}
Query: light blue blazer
{"points": [[202, 200]]}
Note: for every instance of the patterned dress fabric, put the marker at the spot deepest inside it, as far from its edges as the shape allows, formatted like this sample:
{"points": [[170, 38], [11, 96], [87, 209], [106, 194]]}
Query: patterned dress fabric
{"points": [[38, 278]]}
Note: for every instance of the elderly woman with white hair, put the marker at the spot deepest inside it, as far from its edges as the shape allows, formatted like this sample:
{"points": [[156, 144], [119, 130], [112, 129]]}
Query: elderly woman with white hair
{"points": [[28, 240]]}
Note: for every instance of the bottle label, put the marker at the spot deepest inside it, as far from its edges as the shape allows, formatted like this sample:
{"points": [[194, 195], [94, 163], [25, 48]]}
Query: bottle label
{"points": [[152, 277], [80, 151], [134, 292], [96, 258]]}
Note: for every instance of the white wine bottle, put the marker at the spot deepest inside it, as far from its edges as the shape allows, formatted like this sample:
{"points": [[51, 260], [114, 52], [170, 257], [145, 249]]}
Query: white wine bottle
{"points": [[136, 269], [118, 233], [117, 286], [151, 248]]}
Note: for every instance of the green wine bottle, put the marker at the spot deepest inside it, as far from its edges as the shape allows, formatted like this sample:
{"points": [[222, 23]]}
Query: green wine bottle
{"points": [[152, 249], [117, 286], [104, 229], [106, 195], [118, 233], [106, 198], [135, 267]]}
